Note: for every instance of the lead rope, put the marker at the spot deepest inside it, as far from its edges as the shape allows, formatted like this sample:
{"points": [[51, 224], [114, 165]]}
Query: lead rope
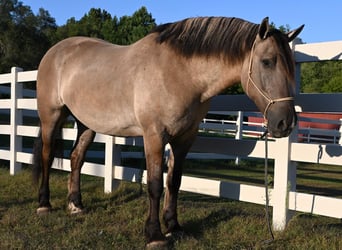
{"points": [[267, 215], [265, 134]]}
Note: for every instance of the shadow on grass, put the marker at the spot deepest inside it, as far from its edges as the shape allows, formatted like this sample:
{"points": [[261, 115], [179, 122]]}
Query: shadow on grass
{"points": [[124, 194], [197, 227]]}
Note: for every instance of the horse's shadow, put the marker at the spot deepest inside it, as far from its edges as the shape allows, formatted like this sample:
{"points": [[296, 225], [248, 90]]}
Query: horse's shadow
{"points": [[197, 227], [122, 195]]}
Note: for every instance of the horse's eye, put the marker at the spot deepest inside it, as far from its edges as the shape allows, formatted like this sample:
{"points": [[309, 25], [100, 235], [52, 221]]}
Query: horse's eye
{"points": [[267, 63]]}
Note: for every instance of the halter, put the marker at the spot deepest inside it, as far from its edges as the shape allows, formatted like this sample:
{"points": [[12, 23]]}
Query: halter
{"points": [[262, 93]]}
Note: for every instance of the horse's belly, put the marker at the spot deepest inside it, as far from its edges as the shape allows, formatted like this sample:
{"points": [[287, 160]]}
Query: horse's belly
{"points": [[130, 130], [106, 119], [111, 127]]}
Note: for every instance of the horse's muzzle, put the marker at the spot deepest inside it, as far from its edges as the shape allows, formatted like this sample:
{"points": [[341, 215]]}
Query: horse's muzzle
{"points": [[281, 125]]}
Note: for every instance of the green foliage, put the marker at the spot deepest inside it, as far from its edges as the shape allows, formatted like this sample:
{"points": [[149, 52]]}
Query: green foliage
{"points": [[321, 77], [24, 37], [99, 23], [27, 37], [131, 29]]}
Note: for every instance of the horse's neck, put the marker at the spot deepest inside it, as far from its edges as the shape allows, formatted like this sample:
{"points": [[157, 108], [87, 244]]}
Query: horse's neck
{"points": [[214, 76]]}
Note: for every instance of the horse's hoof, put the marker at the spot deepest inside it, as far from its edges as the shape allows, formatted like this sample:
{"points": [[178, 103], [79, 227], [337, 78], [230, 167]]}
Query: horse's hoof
{"points": [[160, 244], [43, 210], [75, 210]]}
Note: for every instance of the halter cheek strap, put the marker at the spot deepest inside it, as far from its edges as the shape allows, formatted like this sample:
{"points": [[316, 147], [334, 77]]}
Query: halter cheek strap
{"points": [[261, 92]]}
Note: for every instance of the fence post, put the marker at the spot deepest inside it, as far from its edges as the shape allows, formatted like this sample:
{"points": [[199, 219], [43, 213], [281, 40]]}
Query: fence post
{"points": [[284, 181], [239, 129], [297, 65], [285, 170], [15, 120], [112, 159]]}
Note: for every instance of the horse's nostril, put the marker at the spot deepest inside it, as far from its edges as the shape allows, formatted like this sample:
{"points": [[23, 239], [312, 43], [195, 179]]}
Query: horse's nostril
{"points": [[282, 125]]}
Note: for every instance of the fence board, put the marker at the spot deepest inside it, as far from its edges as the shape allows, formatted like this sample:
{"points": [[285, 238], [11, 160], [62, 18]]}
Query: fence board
{"points": [[5, 154], [5, 129], [316, 153], [27, 76], [321, 103], [315, 204], [29, 104], [5, 78], [5, 104]]}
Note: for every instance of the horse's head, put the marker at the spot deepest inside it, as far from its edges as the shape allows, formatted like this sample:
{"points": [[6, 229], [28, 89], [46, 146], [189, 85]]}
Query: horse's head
{"points": [[268, 78]]}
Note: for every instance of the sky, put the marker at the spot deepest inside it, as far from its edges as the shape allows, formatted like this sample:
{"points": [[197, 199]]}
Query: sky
{"points": [[322, 19]]}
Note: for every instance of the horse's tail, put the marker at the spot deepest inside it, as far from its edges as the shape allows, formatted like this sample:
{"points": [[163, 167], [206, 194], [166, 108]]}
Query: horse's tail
{"points": [[57, 151], [37, 157]]}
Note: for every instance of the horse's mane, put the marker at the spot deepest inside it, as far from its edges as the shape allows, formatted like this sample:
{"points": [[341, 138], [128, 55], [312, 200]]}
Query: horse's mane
{"points": [[219, 36], [231, 37]]}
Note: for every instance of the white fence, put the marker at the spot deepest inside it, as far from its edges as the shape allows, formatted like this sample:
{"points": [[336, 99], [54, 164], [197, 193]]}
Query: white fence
{"points": [[286, 151]]}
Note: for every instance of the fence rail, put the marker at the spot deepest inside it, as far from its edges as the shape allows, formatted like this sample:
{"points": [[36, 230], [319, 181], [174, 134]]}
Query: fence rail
{"points": [[285, 152]]}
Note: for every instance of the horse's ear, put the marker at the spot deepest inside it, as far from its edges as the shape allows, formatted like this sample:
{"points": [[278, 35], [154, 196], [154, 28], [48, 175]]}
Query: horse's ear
{"points": [[294, 33], [264, 28]]}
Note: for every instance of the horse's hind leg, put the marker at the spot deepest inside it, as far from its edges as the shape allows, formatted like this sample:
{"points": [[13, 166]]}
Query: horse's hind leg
{"points": [[84, 137], [51, 125]]}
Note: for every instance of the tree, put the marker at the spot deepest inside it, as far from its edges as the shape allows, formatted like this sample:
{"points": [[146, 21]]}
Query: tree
{"points": [[99, 23], [132, 28], [92, 24], [24, 37], [321, 77]]}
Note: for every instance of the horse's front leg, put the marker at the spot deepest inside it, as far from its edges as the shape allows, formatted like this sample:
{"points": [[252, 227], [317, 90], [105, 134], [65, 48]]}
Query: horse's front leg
{"points": [[178, 151], [154, 149], [84, 137]]}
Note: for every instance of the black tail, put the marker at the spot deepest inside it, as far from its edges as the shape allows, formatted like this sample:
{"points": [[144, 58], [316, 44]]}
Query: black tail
{"points": [[57, 151], [37, 158]]}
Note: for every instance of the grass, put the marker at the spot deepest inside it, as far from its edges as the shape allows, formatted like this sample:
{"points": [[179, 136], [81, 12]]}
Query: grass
{"points": [[115, 221]]}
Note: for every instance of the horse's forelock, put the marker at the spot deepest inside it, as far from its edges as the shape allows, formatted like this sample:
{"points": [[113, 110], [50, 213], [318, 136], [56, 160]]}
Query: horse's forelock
{"points": [[285, 52]]}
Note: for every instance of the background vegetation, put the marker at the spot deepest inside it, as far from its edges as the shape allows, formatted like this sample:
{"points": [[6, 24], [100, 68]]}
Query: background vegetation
{"points": [[25, 37]]}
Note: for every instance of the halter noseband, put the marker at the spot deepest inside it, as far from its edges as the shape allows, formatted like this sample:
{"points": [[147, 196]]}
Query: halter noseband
{"points": [[262, 93]]}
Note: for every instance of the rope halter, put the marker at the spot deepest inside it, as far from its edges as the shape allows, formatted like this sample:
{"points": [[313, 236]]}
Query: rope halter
{"points": [[261, 92]]}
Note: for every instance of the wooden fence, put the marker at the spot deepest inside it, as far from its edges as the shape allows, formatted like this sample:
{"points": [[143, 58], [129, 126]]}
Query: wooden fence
{"points": [[285, 151]]}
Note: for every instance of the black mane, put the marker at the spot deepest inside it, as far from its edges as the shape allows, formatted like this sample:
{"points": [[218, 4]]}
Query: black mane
{"points": [[230, 37]]}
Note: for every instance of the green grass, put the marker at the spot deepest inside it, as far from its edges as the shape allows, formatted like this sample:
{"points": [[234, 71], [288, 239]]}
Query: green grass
{"points": [[115, 221]]}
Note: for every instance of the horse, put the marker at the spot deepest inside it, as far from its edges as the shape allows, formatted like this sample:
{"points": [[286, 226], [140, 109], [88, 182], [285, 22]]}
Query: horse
{"points": [[159, 88]]}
